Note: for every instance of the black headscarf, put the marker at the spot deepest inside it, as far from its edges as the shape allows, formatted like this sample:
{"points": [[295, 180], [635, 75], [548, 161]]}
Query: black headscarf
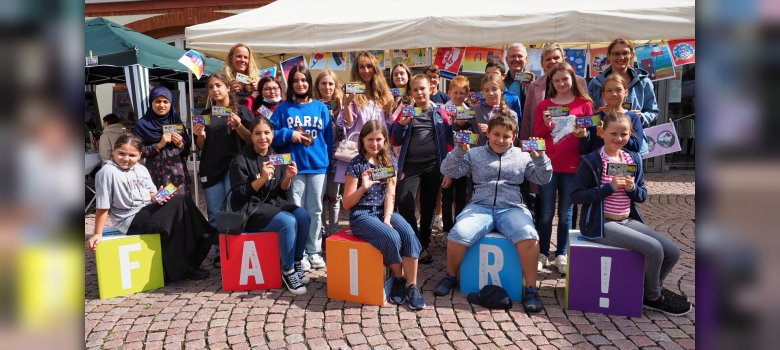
{"points": [[149, 128]]}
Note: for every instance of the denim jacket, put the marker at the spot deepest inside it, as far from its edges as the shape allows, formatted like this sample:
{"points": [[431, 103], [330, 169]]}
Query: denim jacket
{"points": [[400, 136], [589, 192]]}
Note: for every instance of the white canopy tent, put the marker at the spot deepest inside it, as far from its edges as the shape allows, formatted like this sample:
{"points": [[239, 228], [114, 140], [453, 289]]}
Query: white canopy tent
{"points": [[307, 26]]}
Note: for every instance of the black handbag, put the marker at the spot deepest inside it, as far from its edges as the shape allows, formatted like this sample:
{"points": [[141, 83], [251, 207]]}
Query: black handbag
{"points": [[234, 222]]}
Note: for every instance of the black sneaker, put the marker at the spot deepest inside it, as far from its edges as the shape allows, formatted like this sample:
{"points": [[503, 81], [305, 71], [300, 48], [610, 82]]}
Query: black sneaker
{"points": [[674, 296], [398, 291], [198, 274], [415, 298], [668, 306], [445, 286], [293, 283], [301, 274]]}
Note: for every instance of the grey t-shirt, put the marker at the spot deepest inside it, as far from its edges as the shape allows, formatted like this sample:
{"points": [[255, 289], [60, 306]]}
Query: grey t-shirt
{"points": [[123, 192]]}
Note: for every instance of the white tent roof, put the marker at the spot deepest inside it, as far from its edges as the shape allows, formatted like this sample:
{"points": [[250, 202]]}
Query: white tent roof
{"points": [[306, 26]]}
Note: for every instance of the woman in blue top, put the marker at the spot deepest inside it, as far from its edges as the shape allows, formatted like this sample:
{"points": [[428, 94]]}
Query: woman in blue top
{"points": [[372, 218], [640, 88], [302, 126]]}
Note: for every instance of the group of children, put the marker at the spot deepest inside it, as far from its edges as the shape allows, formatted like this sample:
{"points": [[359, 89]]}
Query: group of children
{"points": [[406, 156]]}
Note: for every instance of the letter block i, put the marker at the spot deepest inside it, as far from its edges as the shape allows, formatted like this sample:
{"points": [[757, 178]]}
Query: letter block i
{"points": [[129, 264], [250, 261], [493, 260], [356, 270]]}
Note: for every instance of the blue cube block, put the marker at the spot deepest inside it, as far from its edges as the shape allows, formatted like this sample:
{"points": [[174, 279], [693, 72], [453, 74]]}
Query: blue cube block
{"points": [[493, 260]]}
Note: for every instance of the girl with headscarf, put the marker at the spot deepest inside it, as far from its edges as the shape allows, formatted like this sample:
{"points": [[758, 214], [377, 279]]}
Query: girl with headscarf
{"points": [[165, 152]]}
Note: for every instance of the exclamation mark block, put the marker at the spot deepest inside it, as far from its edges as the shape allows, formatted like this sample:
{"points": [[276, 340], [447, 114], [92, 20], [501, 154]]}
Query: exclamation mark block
{"points": [[606, 268]]}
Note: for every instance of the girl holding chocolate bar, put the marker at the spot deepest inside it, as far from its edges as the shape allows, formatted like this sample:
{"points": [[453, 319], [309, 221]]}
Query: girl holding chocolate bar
{"points": [[492, 87], [614, 92], [125, 192], [262, 188], [425, 137], [399, 79], [302, 126], [611, 217], [165, 151], [270, 96], [566, 98], [220, 142], [371, 202]]}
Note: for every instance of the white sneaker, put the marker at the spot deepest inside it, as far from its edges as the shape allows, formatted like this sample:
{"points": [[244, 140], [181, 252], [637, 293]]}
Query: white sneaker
{"points": [[541, 261], [438, 224], [317, 262], [562, 263], [305, 265]]}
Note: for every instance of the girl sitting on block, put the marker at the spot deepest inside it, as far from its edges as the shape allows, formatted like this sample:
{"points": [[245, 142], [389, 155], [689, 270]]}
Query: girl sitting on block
{"points": [[125, 191], [371, 215], [610, 215]]}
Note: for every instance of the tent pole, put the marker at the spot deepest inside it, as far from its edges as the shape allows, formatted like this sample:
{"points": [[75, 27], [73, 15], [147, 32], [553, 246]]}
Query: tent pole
{"points": [[193, 147]]}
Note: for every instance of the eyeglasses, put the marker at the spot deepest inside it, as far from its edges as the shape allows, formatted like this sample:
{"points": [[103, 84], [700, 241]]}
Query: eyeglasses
{"points": [[620, 54], [269, 89]]}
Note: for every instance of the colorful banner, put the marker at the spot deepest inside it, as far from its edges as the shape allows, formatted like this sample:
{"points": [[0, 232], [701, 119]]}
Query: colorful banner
{"points": [[683, 51], [194, 61], [599, 61], [661, 139], [267, 72], [577, 58], [410, 57], [379, 54], [534, 62], [329, 60], [656, 60], [449, 59], [477, 57], [288, 65]]}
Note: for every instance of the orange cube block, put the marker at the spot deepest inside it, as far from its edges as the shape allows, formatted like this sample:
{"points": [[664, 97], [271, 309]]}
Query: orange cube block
{"points": [[356, 270]]}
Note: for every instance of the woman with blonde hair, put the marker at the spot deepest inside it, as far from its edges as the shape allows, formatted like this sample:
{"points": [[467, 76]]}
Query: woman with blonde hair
{"points": [[328, 90], [240, 60]]}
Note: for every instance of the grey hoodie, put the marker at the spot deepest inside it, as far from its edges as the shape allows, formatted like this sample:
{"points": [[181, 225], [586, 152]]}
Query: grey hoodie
{"points": [[497, 177]]}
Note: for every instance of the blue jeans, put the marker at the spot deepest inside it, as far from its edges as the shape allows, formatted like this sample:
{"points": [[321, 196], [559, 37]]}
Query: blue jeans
{"points": [[293, 228], [307, 191], [215, 198], [478, 220], [562, 184]]}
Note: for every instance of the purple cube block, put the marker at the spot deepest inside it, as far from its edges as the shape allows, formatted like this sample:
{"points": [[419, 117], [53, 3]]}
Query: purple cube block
{"points": [[604, 279]]}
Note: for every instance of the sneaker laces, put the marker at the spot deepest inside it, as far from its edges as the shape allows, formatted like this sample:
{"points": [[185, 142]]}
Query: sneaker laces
{"points": [[414, 292], [295, 281]]}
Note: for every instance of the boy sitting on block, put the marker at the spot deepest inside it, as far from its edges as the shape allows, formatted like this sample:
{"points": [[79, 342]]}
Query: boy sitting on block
{"points": [[497, 170]]}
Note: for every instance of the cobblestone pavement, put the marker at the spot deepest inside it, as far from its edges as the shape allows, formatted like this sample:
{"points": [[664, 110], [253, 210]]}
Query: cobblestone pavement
{"points": [[199, 314]]}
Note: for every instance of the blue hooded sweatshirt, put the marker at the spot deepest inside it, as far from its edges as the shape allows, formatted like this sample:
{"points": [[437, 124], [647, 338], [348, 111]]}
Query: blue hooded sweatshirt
{"points": [[640, 93]]}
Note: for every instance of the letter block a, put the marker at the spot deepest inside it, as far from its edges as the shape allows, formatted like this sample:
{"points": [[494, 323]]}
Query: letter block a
{"points": [[129, 264], [356, 270], [250, 261]]}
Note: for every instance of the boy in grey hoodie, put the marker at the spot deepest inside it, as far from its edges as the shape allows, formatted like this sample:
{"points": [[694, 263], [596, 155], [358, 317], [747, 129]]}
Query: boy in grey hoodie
{"points": [[497, 170]]}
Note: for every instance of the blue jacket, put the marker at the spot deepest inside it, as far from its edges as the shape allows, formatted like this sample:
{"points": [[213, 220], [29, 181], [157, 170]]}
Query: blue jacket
{"points": [[593, 142], [399, 136], [640, 93], [313, 117], [590, 193]]}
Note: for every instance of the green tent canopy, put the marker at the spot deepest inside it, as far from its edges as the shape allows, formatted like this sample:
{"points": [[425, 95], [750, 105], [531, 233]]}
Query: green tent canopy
{"points": [[117, 46]]}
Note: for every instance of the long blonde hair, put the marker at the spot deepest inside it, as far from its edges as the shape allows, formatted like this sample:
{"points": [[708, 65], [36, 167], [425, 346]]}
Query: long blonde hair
{"points": [[337, 93], [377, 89], [251, 69]]}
